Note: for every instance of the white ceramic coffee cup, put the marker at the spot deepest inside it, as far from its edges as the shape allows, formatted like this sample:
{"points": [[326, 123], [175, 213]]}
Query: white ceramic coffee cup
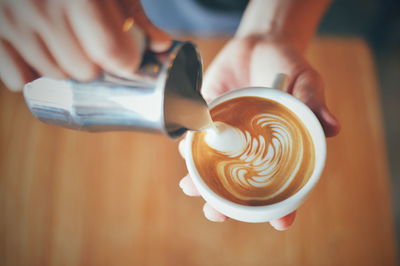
{"points": [[272, 211]]}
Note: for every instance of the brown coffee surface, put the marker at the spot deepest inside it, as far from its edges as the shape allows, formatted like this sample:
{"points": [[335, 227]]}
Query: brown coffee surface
{"points": [[277, 161]]}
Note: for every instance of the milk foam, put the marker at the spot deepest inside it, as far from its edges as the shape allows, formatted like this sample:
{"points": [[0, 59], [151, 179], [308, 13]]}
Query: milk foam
{"points": [[226, 139], [253, 153]]}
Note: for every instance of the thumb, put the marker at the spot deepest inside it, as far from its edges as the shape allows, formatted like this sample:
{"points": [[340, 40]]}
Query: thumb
{"points": [[214, 82], [329, 122], [308, 87], [159, 40]]}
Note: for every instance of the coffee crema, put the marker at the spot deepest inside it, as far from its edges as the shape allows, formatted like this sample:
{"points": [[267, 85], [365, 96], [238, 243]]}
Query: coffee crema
{"points": [[274, 159]]}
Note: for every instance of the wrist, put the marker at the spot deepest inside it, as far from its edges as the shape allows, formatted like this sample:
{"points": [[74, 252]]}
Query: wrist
{"points": [[294, 21]]}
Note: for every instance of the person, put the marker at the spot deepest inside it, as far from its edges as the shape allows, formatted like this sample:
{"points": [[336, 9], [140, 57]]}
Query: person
{"points": [[79, 38]]}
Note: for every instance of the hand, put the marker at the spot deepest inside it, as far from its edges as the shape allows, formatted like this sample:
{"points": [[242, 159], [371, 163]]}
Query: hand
{"points": [[70, 39], [255, 61]]}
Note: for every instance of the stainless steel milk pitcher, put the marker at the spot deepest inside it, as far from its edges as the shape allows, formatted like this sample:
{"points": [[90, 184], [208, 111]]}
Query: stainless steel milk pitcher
{"points": [[163, 95]]}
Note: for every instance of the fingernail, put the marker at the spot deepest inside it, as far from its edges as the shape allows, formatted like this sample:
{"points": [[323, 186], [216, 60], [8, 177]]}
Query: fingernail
{"points": [[218, 219], [279, 227], [13, 85], [123, 72], [188, 189], [14, 89], [86, 73], [181, 148], [160, 46], [284, 222], [181, 183], [212, 215]]}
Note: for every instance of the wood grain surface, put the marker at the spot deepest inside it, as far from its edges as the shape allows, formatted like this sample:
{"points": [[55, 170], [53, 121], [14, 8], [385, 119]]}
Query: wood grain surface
{"points": [[74, 198]]}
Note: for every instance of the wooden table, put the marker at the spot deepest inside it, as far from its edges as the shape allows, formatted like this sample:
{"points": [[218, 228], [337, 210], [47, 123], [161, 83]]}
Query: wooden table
{"points": [[73, 198]]}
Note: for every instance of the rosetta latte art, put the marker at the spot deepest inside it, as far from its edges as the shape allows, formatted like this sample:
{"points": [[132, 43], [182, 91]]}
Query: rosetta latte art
{"points": [[276, 155], [263, 159]]}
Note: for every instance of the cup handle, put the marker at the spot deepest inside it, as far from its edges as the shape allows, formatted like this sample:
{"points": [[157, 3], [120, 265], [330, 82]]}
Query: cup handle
{"points": [[281, 82]]}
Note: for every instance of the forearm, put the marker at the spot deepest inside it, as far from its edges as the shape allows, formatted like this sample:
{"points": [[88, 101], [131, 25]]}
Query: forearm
{"points": [[295, 20]]}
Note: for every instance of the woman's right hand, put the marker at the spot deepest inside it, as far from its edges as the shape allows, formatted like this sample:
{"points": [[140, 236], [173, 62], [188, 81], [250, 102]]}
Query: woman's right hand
{"points": [[71, 39]]}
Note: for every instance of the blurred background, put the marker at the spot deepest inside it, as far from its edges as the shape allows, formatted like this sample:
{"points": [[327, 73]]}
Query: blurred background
{"points": [[376, 21]]}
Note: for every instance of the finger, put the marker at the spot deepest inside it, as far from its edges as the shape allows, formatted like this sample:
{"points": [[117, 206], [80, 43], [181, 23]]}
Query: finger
{"points": [[37, 55], [181, 148], [159, 40], [98, 27], [18, 31], [57, 39], [14, 72], [309, 88], [283, 223], [188, 187], [213, 82], [213, 215], [328, 121]]}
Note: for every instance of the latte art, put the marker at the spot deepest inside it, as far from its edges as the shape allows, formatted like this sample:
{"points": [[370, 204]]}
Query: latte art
{"points": [[258, 153], [260, 159]]}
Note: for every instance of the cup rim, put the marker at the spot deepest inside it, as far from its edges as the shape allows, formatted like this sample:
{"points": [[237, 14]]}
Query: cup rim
{"points": [[315, 129]]}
